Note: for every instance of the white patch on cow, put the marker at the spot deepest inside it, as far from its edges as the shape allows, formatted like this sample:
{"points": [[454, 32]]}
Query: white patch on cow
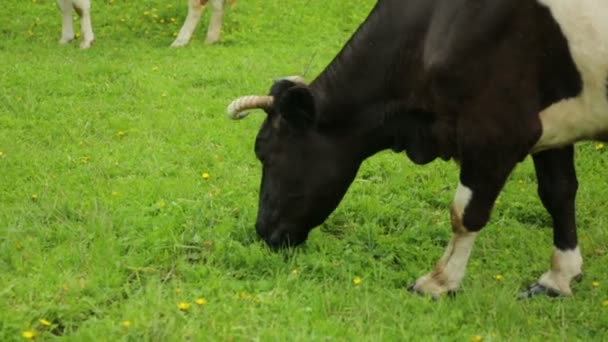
{"points": [[195, 11], [565, 266], [584, 24], [450, 269], [461, 199]]}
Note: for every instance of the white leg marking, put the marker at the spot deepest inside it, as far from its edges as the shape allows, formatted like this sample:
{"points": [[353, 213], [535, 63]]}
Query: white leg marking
{"points": [[449, 271], [565, 266], [585, 27], [83, 7], [67, 28], [215, 24], [195, 10], [461, 199]]}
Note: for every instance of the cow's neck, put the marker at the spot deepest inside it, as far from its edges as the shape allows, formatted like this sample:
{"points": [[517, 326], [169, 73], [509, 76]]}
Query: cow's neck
{"points": [[361, 92]]}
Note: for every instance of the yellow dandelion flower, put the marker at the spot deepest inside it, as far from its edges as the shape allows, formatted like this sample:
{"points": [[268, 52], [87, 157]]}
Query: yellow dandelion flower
{"points": [[498, 277], [146, 13], [161, 204], [357, 281], [174, 34], [1, 153], [34, 197], [30, 335], [126, 323], [595, 284], [120, 134], [155, 68], [173, 20], [599, 147], [201, 301], [122, 20], [295, 271], [183, 306], [162, 21], [476, 338], [605, 303], [44, 322], [205, 175], [77, 34]]}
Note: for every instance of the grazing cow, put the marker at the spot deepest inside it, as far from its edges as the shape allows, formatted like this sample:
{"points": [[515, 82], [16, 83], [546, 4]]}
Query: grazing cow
{"points": [[483, 82], [195, 10]]}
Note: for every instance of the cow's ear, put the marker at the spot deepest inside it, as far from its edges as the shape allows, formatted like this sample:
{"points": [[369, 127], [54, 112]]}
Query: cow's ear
{"points": [[297, 106]]}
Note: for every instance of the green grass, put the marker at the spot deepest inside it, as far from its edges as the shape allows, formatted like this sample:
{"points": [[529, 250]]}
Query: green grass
{"points": [[98, 227]]}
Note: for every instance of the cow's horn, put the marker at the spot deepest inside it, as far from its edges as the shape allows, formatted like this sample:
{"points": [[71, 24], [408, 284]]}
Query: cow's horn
{"points": [[237, 109]]}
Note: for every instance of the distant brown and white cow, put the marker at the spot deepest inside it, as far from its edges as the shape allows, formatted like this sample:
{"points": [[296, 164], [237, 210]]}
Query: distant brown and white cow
{"points": [[195, 11]]}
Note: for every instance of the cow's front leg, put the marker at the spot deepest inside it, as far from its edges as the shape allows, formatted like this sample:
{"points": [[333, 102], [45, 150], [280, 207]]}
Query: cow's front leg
{"points": [[215, 23], [557, 187], [67, 27], [195, 11], [470, 212], [83, 8]]}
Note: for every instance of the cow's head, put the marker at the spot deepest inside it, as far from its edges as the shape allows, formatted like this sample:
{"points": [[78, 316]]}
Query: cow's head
{"points": [[305, 173]]}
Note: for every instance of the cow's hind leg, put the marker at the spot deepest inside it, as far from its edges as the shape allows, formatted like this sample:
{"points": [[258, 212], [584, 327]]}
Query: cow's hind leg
{"points": [[481, 179], [215, 23], [67, 27], [195, 11], [557, 187], [83, 8]]}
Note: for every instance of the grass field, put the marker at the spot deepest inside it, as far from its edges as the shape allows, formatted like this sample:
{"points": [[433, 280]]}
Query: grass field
{"points": [[107, 223]]}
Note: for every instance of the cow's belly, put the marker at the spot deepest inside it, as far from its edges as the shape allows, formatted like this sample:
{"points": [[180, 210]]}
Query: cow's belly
{"points": [[585, 26]]}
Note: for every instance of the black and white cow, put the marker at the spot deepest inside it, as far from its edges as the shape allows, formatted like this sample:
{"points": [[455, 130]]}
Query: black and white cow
{"points": [[483, 82], [195, 10]]}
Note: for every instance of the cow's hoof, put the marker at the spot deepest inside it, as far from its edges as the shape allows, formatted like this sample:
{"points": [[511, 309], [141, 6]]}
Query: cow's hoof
{"points": [[211, 41], [538, 289], [179, 43], [412, 288], [66, 40], [85, 44]]}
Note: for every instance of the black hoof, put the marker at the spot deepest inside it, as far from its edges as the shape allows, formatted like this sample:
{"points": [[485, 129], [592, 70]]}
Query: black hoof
{"points": [[538, 289]]}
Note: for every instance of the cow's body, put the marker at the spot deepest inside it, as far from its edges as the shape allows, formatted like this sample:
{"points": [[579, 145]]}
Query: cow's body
{"points": [[195, 11], [483, 82]]}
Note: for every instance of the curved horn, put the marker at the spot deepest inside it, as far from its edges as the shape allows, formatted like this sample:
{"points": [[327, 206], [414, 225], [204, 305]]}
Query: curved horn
{"points": [[236, 109]]}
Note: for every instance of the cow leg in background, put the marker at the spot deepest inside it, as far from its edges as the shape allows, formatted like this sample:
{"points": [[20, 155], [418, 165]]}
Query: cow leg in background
{"points": [[83, 8], [215, 23], [67, 27], [195, 11], [557, 187], [481, 179]]}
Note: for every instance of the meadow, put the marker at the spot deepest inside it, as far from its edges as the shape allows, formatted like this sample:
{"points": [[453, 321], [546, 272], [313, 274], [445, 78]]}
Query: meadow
{"points": [[128, 199]]}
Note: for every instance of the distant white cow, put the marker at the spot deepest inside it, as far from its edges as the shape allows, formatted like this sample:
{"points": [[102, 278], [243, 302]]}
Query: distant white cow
{"points": [[195, 10]]}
